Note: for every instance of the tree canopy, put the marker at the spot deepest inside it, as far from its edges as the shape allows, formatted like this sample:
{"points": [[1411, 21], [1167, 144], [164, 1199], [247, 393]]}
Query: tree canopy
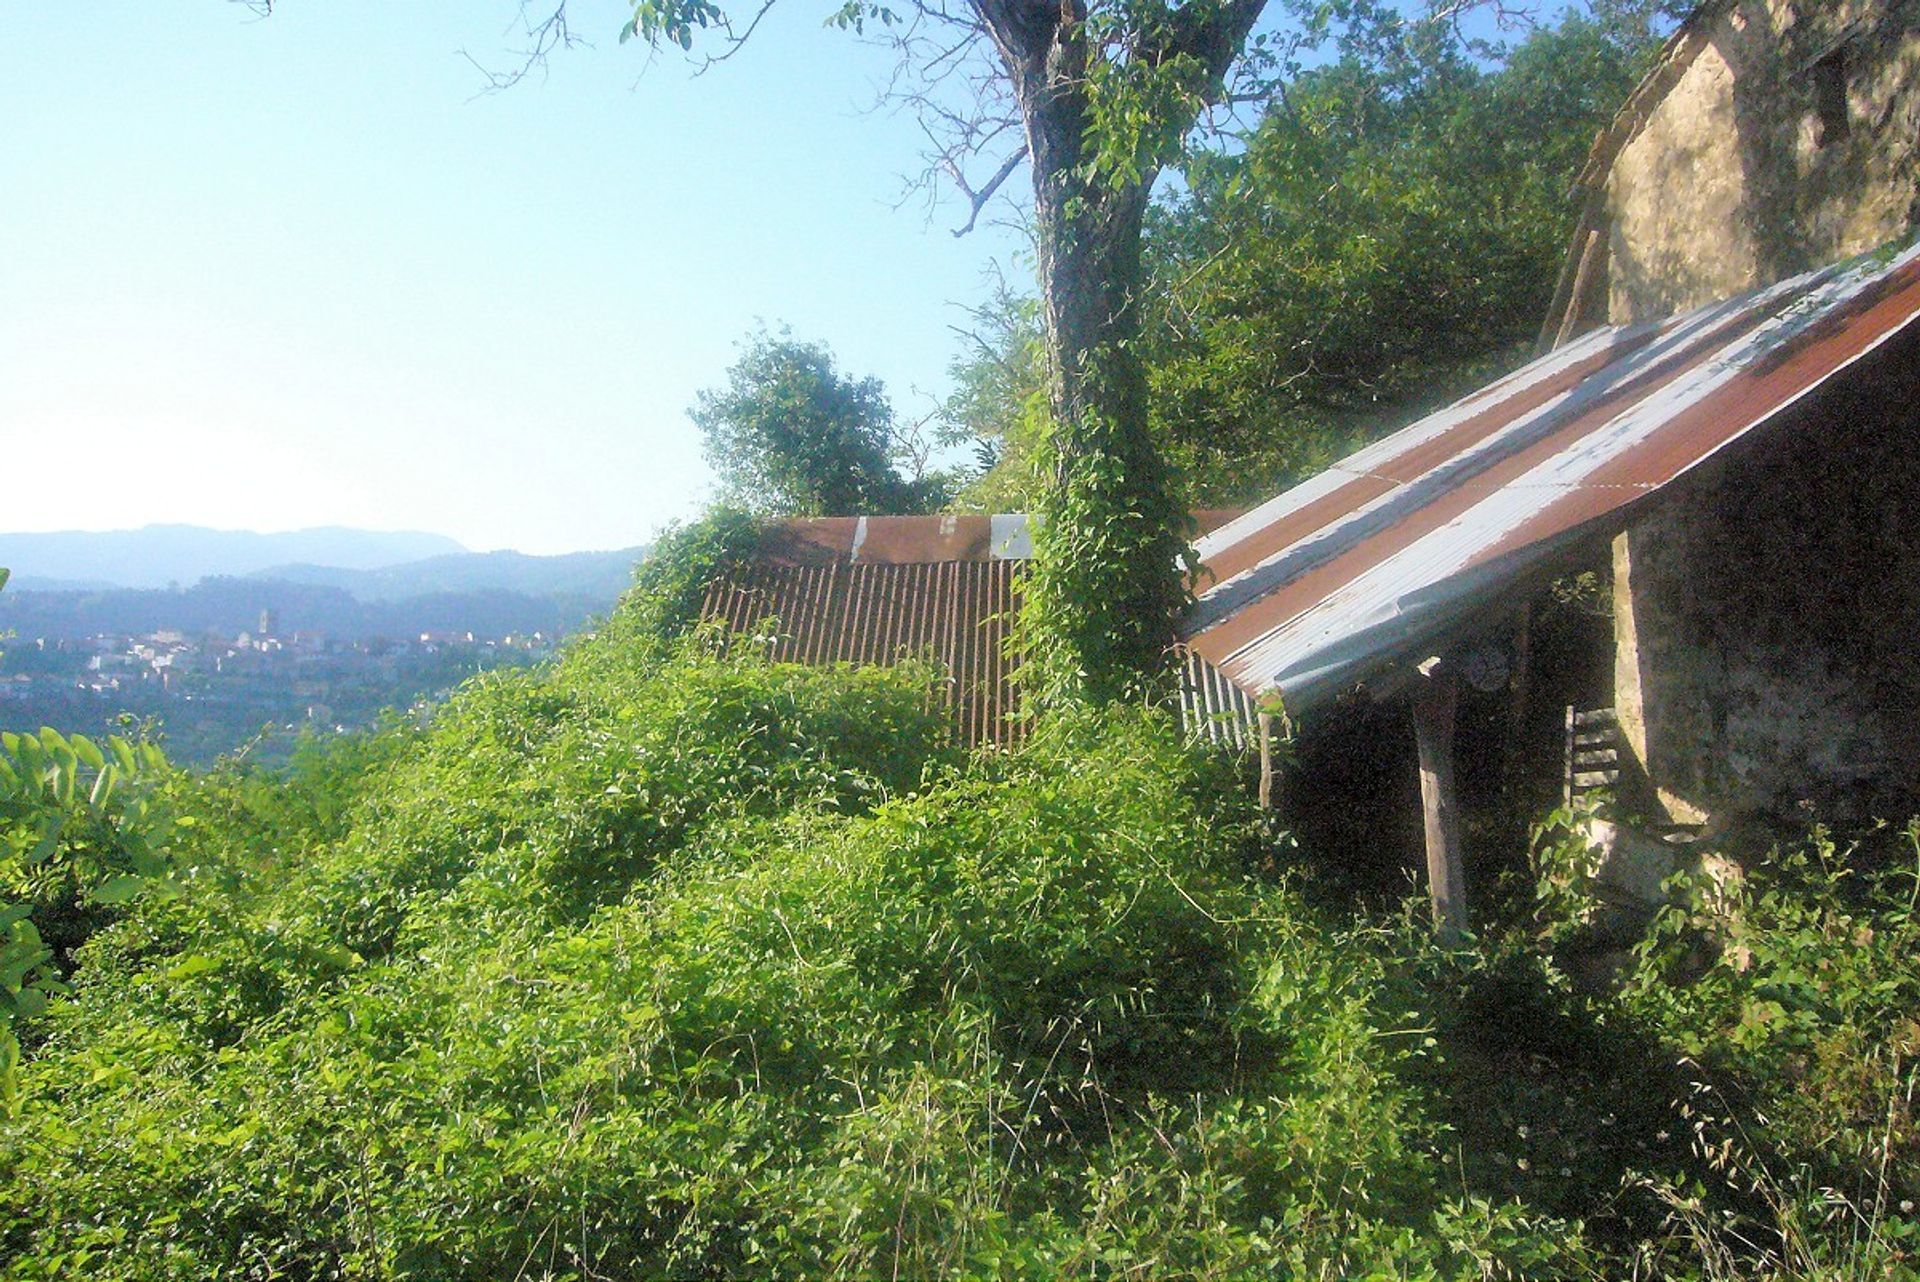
{"points": [[789, 434], [1386, 239]]}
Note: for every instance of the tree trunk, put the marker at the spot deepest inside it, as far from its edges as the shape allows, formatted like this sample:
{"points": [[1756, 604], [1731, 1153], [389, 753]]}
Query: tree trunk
{"points": [[1108, 583]]}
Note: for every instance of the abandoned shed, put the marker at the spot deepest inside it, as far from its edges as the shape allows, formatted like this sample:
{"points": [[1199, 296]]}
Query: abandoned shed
{"points": [[1748, 467], [873, 589], [1722, 417]]}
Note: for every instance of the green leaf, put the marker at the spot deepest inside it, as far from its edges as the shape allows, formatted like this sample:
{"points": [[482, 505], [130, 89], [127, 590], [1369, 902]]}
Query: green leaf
{"points": [[197, 964], [102, 788], [84, 748], [49, 842], [118, 890]]}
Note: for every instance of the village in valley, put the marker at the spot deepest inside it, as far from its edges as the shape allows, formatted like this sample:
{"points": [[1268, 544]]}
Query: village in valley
{"points": [[213, 693]]}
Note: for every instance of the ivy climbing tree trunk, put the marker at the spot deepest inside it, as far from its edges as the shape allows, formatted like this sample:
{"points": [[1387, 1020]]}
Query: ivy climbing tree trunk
{"points": [[1106, 95], [1110, 577]]}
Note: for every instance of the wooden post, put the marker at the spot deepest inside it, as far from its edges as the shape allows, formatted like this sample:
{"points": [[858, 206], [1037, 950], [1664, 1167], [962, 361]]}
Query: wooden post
{"points": [[1433, 716], [1522, 677], [1266, 761], [1514, 756], [1583, 279]]}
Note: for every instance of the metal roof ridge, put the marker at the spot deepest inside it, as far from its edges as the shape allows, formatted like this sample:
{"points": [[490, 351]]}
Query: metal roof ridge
{"points": [[1441, 556], [1679, 342]]}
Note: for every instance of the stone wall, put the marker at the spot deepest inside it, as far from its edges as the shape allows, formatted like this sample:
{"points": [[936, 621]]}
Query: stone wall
{"points": [[1768, 616], [1788, 141]]}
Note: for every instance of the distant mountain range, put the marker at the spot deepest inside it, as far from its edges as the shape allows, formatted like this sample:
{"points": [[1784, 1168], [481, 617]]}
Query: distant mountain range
{"points": [[370, 565], [159, 556], [228, 607], [600, 576], [341, 582]]}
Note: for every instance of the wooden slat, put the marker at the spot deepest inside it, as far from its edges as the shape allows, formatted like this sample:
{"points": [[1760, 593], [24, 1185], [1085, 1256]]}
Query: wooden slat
{"points": [[1433, 721]]}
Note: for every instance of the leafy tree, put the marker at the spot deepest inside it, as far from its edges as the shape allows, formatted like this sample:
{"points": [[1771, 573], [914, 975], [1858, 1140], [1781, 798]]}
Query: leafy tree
{"points": [[77, 835], [790, 434], [1386, 238], [998, 405], [1101, 95]]}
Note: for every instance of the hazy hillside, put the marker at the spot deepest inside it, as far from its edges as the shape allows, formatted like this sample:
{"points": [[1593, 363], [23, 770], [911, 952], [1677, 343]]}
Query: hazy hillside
{"points": [[156, 556], [230, 606], [602, 576]]}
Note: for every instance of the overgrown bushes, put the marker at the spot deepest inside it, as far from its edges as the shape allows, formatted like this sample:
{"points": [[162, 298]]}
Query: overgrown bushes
{"points": [[669, 961], [703, 965]]}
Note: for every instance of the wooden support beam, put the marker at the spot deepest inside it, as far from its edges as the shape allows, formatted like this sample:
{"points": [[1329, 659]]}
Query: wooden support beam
{"points": [[1266, 761], [1579, 301], [1434, 701]]}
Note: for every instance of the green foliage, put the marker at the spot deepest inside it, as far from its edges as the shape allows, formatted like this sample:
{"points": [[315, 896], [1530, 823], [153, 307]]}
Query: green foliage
{"points": [[701, 966], [670, 585], [666, 960], [79, 834], [1754, 1061], [790, 434], [1797, 981], [1110, 572], [1386, 239]]}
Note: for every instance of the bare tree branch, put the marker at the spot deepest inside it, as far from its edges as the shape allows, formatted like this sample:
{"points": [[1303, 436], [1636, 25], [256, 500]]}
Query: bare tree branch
{"points": [[734, 42], [977, 199], [542, 35]]}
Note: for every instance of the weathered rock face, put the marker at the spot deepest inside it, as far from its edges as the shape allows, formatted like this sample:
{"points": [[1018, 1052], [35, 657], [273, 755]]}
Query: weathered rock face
{"points": [[1768, 617], [1788, 141], [1768, 610]]}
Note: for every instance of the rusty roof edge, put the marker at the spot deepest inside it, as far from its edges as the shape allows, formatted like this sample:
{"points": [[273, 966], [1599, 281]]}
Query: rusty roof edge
{"points": [[933, 539], [1857, 279], [1222, 601]]}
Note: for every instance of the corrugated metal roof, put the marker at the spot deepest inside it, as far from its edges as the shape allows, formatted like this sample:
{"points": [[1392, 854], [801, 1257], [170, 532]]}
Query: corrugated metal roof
{"points": [[1393, 546], [955, 612], [871, 589]]}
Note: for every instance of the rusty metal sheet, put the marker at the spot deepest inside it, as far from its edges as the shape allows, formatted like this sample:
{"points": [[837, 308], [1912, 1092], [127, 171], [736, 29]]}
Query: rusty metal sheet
{"points": [[955, 613], [1388, 549], [877, 589], [916, 540], [893, 540]]}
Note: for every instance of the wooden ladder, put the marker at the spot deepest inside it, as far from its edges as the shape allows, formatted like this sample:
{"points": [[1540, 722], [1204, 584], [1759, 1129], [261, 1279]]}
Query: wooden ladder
{"points": [[1593, 753]]}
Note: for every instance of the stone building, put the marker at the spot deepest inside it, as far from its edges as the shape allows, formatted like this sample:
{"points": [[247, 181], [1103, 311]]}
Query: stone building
{"points": [[1726, 405], [1768, 611]]}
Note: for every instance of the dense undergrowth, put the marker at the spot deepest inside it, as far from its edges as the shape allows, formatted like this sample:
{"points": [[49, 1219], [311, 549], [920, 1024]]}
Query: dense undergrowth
{"points": [[663, 962]]}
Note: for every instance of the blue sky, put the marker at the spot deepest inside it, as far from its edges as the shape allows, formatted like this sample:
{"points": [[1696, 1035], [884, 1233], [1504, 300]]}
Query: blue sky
{"points": [[280, 273]]}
